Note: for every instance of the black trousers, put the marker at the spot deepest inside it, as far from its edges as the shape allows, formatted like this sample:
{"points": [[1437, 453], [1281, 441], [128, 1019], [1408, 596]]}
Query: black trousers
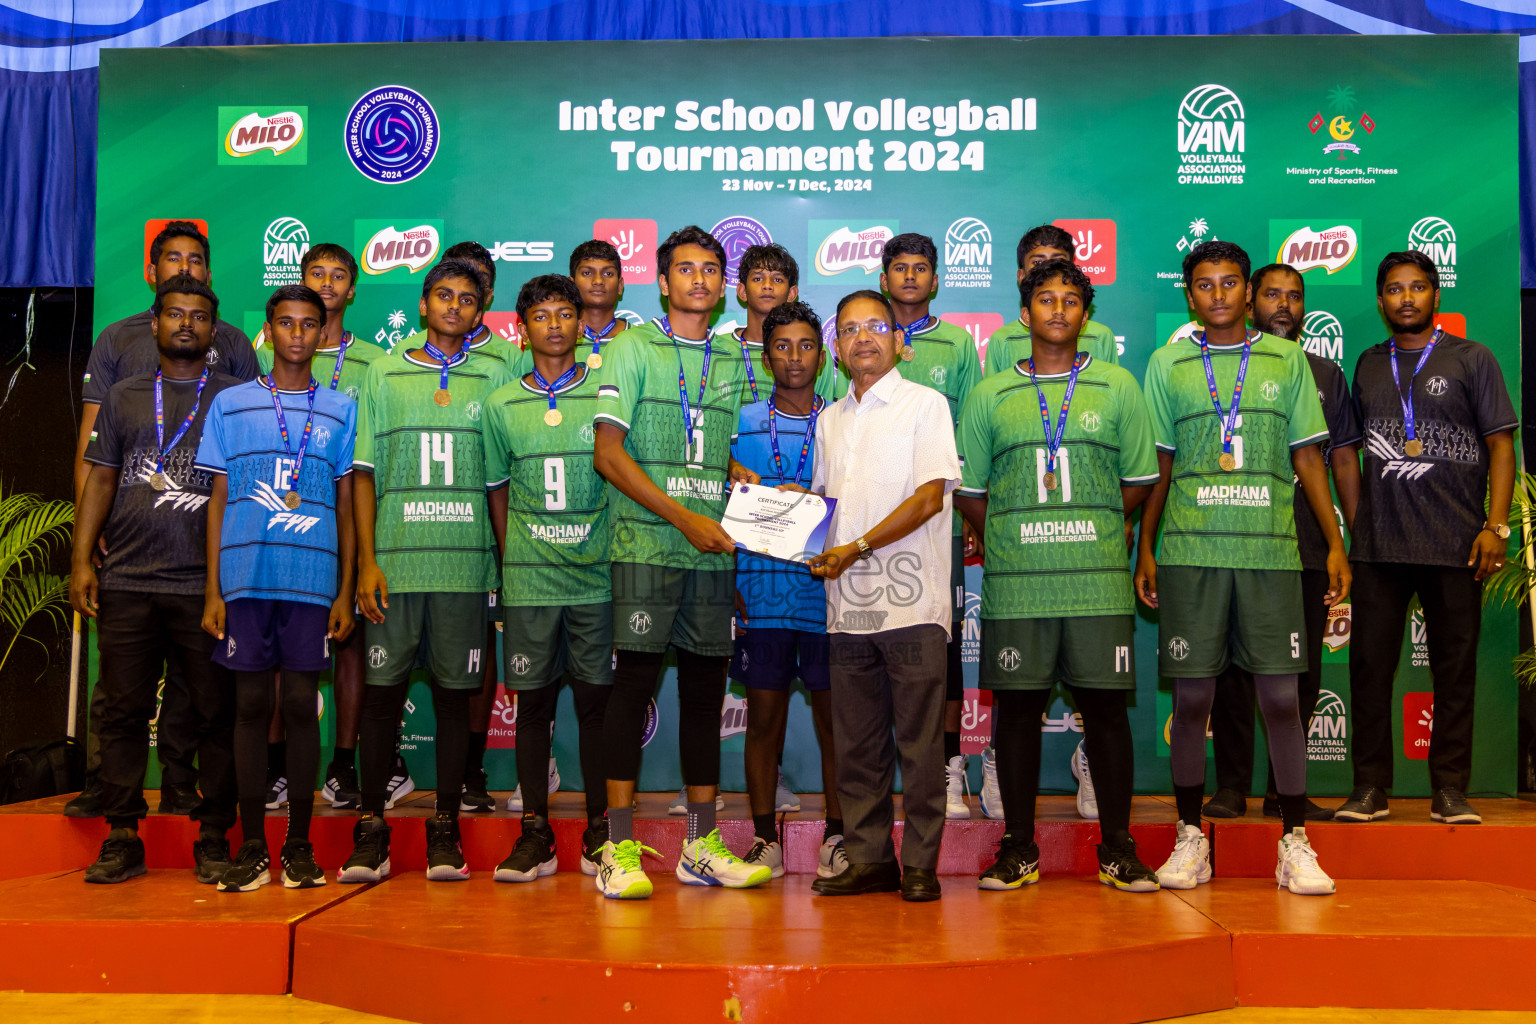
{"points": [[174, 742], [1232, 714], [1453, 619], [137, 635], [888, 702]]}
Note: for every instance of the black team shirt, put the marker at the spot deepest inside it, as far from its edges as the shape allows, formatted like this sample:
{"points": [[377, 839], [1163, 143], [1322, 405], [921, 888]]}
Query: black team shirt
{"points": [[127, 348], [1343, 428]]}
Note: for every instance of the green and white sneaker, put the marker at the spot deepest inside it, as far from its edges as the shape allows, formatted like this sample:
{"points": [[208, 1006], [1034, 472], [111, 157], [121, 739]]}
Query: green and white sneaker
{"points": [[619, 874], [1296, 867], [707, 861]]}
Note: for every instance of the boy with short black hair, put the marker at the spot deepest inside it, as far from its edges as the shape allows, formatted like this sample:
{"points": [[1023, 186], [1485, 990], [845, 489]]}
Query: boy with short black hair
{"points": [[1010, 342]]}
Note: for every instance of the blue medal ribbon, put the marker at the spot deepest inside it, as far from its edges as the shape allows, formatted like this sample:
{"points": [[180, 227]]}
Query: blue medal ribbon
{"points": [[560, 382], [1409, 424], [682, 381], [1229, 418], [597, 337], [447, 361], [282, 428], [910, 329], [746, 357], [1053, 439], [817, 404], [341, 357], [186, 424]]}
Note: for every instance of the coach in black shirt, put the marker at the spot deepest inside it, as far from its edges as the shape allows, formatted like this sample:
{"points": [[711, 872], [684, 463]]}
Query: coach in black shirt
{"points": [[1439, 440]]}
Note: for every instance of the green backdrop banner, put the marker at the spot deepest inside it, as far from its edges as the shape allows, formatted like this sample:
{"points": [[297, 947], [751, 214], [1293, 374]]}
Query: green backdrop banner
{"points": [[1323, 152]]}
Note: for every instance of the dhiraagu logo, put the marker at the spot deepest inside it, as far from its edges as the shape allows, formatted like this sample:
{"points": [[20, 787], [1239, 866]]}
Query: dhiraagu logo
{"points": [[257, 136]]}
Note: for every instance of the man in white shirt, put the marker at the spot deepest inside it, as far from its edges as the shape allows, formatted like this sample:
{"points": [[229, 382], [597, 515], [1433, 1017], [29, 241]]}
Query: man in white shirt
{"points": [[886, 452]]}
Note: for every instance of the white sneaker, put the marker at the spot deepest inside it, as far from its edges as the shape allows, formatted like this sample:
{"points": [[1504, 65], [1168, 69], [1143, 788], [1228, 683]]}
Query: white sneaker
{"points": [[1190, 863], [955, 807], [1087, 800], [833, 859], [400, 784], [767, 854], [1296, 867], [515, 798], [784, 798], [679, 807], [707, 861], [619, 875], [991, 796]]}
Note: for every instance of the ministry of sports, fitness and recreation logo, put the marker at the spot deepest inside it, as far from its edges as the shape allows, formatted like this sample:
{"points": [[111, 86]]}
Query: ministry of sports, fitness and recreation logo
{"points": [[1323, 335], [968, 254], [392, 134], [1343, 123], [1090, 421], [253, 137], [377, 656], [283, 246], [736, 235], [1211, 137], [843, 246], [1009, 659], [1332, 249], [1178, 648], [384, 247], [1435, 238], [640, 623], [1327, 738], [520, 663]]}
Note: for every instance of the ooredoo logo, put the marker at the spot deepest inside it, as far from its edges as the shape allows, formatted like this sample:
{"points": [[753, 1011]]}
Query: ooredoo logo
{"points": [[389, 248], [1435, 238], [636, 241], [1211, 136], [1093, 247], [840, 247], [968, 254], [736, 235], [1323, 335], [978, 325], [1331, 248], [254, 132], [392, 134], [1418, 724]]}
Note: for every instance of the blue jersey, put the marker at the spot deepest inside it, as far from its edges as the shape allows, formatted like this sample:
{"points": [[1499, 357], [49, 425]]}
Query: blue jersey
{"points": [[778, 595], [266, 549]]}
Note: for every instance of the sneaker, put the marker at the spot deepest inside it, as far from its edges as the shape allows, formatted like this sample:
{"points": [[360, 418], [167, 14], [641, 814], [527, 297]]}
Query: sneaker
{"points": [[1087, 799], [955, 807], [515, 798], [445, 857], [619, 874], [707, 861], [1120, 867], [766, 854], [210, 858], [592, 842], [1228, 803], [1312, 813], [1017, 864], [832, 859], [179, 800], [299, 868], [784, 798], [121, 858], [341, 787], [473, 797], [1451, 807], [1296, 867], [532, 856], [277, 790], [1190, 863], [991, 796], [248, 872], [370, 852], [1365, 803], [400, 784], [87, 802], [679, 807]]}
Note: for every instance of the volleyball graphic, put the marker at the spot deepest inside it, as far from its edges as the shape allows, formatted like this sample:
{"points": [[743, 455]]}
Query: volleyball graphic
{"points": [[1210, 103], [1429, 231]]}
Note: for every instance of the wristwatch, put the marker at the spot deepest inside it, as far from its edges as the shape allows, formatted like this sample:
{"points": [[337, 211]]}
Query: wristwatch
{"points": [[1501, 531], [865, 550]]}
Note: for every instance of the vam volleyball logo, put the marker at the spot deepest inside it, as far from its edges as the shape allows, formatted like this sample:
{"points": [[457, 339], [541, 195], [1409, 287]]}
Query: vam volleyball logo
{"points": [[283, 246], [1323, 335], [1327, 737], [1212, 137], [251, 137], [968, 254], [392, 134], [1435, 238]]}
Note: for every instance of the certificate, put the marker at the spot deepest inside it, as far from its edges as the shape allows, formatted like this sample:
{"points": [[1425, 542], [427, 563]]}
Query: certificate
{"points": [[787, 525]]}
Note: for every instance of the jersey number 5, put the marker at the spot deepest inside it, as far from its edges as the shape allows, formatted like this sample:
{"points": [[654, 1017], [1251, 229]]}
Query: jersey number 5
{"points": [[554, 484]]}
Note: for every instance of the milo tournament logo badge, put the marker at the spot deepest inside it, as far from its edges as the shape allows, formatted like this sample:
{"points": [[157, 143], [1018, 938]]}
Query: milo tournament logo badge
{"points": [[1331, 249], [1211, 137], [841, 247], [1323, 335], [736, 235], [392, 134], [253, 137], [382, 247], [282, 252], [968, 254], [1435, 238]]}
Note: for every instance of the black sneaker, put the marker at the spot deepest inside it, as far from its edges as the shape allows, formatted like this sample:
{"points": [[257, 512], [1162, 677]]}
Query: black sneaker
{"points": [[249, 870], [341, 787], [179, 800], [1312, 813], [1225, 803], [370, 852], [400, 784], [1120, 867], [277, 789], [1017, 864], [1451, 807], [299, 868], [445, 858], [1365, 803], [474, 798], [210, 858], [592, 840], [121, 858], [87, 802], [532, 857]]}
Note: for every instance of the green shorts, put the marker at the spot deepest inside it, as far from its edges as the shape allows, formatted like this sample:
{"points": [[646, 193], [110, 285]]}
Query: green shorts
{"points": [[655, 606], [1092, 651], [1210, 618], [442, 633], [540, 643]]}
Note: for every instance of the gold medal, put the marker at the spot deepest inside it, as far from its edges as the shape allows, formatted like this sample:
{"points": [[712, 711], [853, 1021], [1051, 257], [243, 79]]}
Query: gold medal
{"points": [[907, 353], [1050, 480], [442, 397], [594, 361], [552, 418], [292, 499], [159, 481], [1413, 448], [1227, 462]]}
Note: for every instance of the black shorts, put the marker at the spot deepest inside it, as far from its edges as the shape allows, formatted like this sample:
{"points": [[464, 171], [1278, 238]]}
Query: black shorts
{"points": [[772, 659], [263, 633]]}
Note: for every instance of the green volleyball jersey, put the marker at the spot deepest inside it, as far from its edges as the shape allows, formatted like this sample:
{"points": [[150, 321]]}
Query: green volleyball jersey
{"points": [[354, 369], [557, 503], [826, 380], [944, 358], [488, 344], [431, 529], [1056, 552], [1010, 343], [1243, 519], [638, 393], [522, 365]]}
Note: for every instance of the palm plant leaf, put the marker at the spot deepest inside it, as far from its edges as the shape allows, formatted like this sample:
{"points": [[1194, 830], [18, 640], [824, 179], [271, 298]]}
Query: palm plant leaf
{"points": [[30, 527]]}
